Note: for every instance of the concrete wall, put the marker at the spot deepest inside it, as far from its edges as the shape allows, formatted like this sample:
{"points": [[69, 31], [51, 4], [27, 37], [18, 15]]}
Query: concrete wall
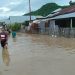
{"points": [[42, 27]]}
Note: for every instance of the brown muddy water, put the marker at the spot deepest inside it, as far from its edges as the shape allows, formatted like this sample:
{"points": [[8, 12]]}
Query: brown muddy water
{"points": [[38, 55]]}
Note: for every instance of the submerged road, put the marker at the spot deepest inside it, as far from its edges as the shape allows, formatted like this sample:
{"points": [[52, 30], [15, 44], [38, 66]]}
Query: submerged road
{"points": [[38, 55]]}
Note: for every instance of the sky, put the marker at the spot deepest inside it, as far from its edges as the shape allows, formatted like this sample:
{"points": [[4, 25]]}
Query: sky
{"points": [[20, 7]]}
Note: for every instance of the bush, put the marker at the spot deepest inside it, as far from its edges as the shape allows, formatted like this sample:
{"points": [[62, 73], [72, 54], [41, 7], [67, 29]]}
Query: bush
{"points": [[15, 27]]}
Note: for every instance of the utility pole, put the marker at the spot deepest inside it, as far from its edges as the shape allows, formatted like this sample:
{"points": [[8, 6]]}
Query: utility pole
{"points": [[30, 10]]}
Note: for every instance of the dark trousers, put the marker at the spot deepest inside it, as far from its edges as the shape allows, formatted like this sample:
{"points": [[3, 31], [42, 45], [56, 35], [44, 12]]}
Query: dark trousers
{"points": [[3, 43]]}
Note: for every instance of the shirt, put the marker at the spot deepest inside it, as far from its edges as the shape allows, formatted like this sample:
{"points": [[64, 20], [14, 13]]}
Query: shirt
{"points": [[3, 36]]}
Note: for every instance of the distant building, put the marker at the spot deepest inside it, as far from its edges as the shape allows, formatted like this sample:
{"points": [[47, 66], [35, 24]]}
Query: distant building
{"points": [[18, 19], [65, 20], [61, 22]]}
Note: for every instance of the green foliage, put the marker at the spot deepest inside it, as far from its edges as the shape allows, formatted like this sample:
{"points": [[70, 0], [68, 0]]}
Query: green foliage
{"points": [[46, 9], [71, 3], [26, 23], [15, 27], [9, 26]]}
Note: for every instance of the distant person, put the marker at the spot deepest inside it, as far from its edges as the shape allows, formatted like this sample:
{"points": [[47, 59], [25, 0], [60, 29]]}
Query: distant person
{"points": [[9, 31], [3, 38], [13, 34]]}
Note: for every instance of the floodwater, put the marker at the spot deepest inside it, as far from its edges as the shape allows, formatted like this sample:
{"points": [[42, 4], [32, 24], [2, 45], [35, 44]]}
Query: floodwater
{"points": [[38, 55]]}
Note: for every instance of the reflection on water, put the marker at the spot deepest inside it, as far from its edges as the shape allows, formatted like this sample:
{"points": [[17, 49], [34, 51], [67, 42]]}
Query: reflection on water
{"points": [[0, 73], [14, 39], [5, 56]]}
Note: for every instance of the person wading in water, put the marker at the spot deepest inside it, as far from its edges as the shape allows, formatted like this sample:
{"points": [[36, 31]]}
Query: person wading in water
{"points": [[3, 38]]}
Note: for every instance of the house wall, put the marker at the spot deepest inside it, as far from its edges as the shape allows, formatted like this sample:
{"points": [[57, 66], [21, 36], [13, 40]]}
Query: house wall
{"points": [[42, 27], [47, 27], [53, 28], [65, 28]]}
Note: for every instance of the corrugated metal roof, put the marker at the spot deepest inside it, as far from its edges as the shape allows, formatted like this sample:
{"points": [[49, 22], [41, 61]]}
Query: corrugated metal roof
{"points": [[69, 15], [66, 10], [69, 9], [55, 12], [65, 13]]}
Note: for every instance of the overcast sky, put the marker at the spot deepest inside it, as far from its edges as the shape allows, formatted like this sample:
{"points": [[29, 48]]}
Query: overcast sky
{"points": [[19, 7]]}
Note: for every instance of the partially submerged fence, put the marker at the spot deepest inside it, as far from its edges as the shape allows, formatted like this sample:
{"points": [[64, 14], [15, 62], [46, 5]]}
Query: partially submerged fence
{"points": [[59, 32]]}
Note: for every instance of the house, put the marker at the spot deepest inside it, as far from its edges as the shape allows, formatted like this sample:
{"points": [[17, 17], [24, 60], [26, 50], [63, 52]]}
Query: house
{"points": [[64, 20], [46, 26], [61, 23]]}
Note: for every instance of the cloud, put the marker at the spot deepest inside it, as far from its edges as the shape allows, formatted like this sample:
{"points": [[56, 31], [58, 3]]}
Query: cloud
{"points": [[12, 13], [4, 9], [20, 7], [16, 13], [14, 3]]}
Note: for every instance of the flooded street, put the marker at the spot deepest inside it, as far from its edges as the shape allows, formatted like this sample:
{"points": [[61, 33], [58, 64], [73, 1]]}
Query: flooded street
{"points": [[38, 55]]}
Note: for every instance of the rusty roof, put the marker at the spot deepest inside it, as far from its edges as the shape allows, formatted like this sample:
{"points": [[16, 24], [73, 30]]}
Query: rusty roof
{"points": [[69, 9]]}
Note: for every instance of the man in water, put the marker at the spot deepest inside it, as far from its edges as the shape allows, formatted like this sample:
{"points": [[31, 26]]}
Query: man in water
{"points": [[3, 38], [13, 34]]}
